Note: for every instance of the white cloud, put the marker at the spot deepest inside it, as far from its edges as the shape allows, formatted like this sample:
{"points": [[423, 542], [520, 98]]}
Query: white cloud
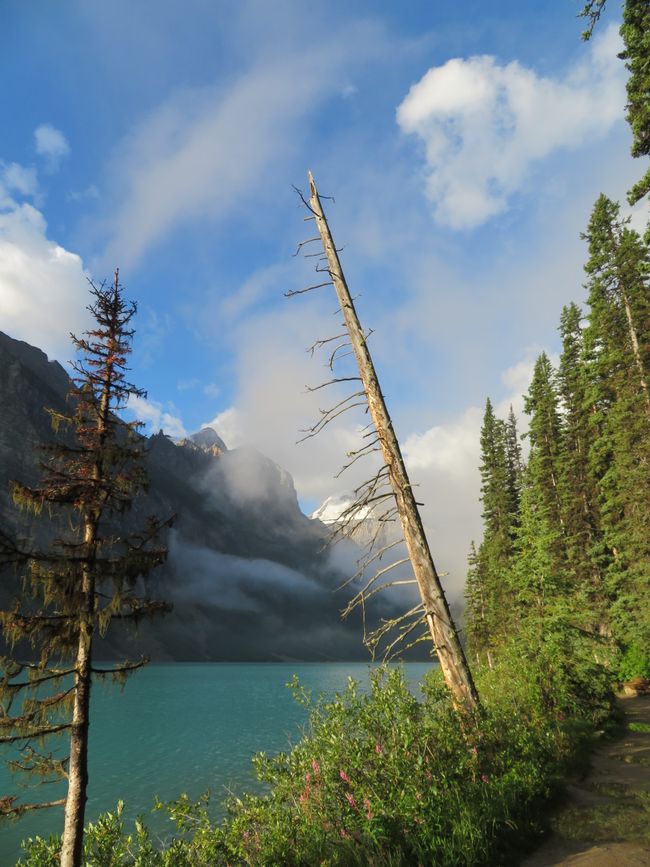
{"points": [[484, 124], [15, 178], [443, 462], [51, 144], [43, 287], [155, 417], [228, 425], [203, 150]]}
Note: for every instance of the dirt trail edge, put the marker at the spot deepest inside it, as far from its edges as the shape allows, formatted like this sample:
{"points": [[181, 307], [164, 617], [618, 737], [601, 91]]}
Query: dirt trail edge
{"points": [[606, 819]]}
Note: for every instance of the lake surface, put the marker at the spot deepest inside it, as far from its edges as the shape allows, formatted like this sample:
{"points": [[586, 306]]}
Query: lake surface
{"points": [[189, 728]]}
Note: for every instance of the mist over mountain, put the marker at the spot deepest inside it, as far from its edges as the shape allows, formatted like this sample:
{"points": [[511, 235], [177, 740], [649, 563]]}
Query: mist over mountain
{"points": [[248, 573]]}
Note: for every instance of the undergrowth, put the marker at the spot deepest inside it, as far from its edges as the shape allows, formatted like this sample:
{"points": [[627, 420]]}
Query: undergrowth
{"points": [[381, 778]]}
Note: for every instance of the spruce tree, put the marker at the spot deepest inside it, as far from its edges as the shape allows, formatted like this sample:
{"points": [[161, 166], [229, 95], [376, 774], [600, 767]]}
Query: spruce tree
{"points": [[540, 554], [479, 605], [543, 472], [514, 470], [618, 344], [88, 577], [585, 551], [635, 31], [488, 581]]}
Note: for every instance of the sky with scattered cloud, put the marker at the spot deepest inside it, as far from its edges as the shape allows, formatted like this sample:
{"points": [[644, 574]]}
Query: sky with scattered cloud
{"points": [[464, 145]]}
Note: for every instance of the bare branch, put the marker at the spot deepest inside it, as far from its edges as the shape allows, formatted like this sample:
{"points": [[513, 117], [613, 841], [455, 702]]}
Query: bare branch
{"points": [[334, 381], [291, 292]]}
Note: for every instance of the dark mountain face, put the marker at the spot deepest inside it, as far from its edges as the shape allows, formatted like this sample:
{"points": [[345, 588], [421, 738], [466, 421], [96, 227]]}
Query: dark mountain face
{"points": [[246, 572]]}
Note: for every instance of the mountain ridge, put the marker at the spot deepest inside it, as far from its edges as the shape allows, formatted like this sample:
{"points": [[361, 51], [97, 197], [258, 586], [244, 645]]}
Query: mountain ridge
{"points": [[248, 573]]}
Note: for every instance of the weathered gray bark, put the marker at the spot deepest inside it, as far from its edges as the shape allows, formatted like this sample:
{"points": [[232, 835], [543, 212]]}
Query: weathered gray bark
{"points": [[443, 632]]}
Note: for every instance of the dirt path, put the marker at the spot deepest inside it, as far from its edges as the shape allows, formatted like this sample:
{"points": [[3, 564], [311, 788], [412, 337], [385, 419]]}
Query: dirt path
{"points": [[606, 820]]}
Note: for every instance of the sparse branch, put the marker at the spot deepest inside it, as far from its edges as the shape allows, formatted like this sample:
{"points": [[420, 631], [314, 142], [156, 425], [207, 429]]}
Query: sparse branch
{"points": [[318, 344], [7, 807], [433, 604], [291, 292], [334, 382], [376, 576]]}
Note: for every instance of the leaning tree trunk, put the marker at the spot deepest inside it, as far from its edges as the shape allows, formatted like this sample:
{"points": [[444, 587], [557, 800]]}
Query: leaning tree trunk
{"points": [[452, 659]]}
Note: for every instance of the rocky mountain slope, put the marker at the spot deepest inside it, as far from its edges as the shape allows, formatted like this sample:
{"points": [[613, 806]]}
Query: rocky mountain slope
{"points": [[247, 572]]}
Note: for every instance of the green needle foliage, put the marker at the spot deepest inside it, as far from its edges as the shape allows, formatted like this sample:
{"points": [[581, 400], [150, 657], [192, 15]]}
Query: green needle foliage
{"points": [[635, 31], [568, 574], [88, 576]]}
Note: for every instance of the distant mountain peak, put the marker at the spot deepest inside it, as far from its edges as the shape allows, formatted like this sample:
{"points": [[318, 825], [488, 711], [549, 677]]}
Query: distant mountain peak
{"points": [[208, 440]]}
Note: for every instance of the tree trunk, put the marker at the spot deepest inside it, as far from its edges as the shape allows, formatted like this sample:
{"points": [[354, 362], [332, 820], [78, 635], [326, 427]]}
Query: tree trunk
{"points": [[75, 805], [443, 632]]}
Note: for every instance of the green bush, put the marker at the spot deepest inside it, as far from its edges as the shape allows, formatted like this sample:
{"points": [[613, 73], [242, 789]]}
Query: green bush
{"points": [[635, 662], [381, 778]]}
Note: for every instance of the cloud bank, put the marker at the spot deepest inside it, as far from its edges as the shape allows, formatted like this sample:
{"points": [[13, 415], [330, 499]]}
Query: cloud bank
{"points": [[484, 124], [205, 149], [43, 286]]}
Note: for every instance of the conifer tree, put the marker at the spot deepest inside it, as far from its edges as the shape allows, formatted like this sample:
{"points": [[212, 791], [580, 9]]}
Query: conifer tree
{"points": [[544, 433], [585, 552], [87, 578], [635, 31], [514, 470], [538, 564], [479, 618], [488, 580], [618, 343]]}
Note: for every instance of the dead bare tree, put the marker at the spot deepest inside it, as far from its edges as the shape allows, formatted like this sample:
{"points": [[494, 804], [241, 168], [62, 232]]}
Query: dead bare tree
{"points": [[388, 494]]}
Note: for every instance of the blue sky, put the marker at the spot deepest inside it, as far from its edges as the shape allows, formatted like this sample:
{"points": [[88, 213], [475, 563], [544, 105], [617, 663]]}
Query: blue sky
{"points": [[464, 143]]}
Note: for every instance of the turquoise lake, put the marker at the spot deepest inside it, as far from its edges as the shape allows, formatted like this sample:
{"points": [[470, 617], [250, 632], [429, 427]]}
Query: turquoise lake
{"points": [[189, 728]]}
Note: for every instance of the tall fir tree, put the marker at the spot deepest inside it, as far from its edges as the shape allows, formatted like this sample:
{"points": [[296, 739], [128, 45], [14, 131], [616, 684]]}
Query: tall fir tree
{"points": [[617, 340], [586, 553], [488, 580], [88, 577], [514, 470], [635, 31]]}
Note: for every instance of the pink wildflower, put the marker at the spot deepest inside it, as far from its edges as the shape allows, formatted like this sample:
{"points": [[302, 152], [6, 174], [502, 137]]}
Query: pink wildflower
{"points": [[316, 769], [351, 801], [246, 836], [308, 777], [344, 776], [345, 834], [378, 749], [367, 805], [485, 778]]}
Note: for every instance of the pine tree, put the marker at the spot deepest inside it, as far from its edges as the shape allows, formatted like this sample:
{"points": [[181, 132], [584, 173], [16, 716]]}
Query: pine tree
{"points": [[617, 340], [635, 31], [539, 564], [478, 612], [87, 578], [544, 433], [488, 581], [514, 470], [585, 551]]}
